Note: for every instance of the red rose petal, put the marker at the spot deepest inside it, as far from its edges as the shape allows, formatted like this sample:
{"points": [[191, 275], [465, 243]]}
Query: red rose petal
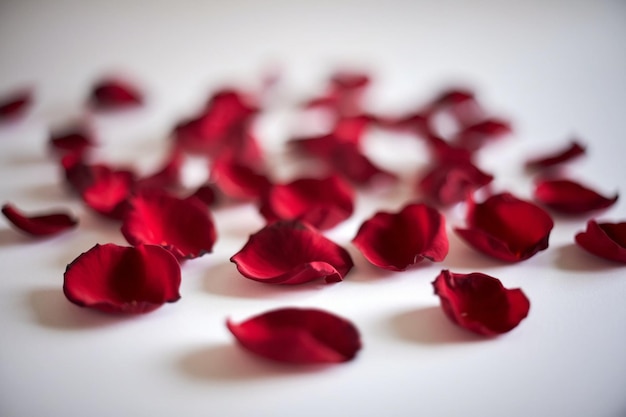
{"points": [[238, 180], [117, 279], [76, 141], [41, 224], [183, 226], [574, 150], [606, 240], [480, 303], [109, 192], [348, 161], [167, 176], [448, 183], [115, 94], [15, 104], [571, 197], [322, 203], [206, 194], [507, 228], [473, 137], [290, 252], [396, 241], [298, 336]]}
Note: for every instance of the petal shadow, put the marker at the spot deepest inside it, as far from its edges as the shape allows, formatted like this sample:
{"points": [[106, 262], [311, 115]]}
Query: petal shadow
{"points": [[570, 257], [429, 325]]}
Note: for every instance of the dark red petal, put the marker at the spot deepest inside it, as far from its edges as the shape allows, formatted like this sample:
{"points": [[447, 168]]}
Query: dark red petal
{"points": [[570, 197], [74, 141], [40, 224], [606, 240], [452, 182], [117, 279], [299, 336], [347, 160], [475, 136], [206, 194], [507, 228], [115, 94], [574, 150], [238, 180], [183, 226], [15, 105], [396, 241], [446, 152], [480, 303], [109, 192], [322, 203], [290, 252]]}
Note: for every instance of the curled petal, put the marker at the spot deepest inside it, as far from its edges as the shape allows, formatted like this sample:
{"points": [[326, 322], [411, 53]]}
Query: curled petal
{"points": [[290, 252], [507, 228], [41, 224], [396, 241], [323, 203], [108, 193], [298, 336], [571, 197], [574, 150], [118, 279], [183, 226], [15, 105], [480, 303], [452, 182], [115, 94], [606, 240]]}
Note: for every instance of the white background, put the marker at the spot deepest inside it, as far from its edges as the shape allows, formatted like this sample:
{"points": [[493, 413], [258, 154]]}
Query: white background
{"points": [[555, 68]]}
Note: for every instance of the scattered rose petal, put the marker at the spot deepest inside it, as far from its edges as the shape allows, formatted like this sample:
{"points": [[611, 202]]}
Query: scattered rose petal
{"points": [[118, 279], [112, 94], [167, 176], [448, 183], [108, 193], [206, 194], [322, 203], [480, 303], [290, 252], [606, 240], [183, 226], [298, 336], [570, 197], [574, 150], [349, 162], [396, 241], [74, 141], [507, 228], [40, 224], [238, 180], [15, 105], [473, 137]]}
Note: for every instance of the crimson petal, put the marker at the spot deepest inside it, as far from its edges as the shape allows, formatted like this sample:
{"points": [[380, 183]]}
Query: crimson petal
{"points": [[348, 161], [15, 105], [571, 197], [322, 203], [574, 150], [115, 94], [41, 224], [452, 182], [396, 241], [238, 180], [75, 141], [480, 303], [118, 279], [507, 228], [298, 336], [109, 192], [183, 226], [606, 240], [290, 252]]}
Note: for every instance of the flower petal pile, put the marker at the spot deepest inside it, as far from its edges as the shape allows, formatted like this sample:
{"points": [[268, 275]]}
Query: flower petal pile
{"points": [[396, 241], [480, 303], [507, 228], [606, 240], [118, 279], [298, 336], [40, 224], [290, 252]]}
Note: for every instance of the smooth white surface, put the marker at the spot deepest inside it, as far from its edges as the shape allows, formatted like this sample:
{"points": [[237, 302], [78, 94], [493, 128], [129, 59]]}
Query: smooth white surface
{"points": [[554, 68]]}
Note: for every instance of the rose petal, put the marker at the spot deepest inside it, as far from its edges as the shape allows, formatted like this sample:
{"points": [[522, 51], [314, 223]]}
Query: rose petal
{"points": [[167, 176], [396, 241], [75, 141], [206, 194], [322, 203], [507, 228], [574, 150], [108, 193], [238, 180], [117, 279], [571, 197], [40, 224], [473, 137], [480, 303], [290, 252], [448, 183], [299, 336], [115, 94], [15, 105], [183, 226], [348, 161], [606, 240]]}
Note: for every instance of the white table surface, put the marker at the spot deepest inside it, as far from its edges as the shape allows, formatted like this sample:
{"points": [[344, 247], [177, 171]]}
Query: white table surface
{"points": [[554, 68]]}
